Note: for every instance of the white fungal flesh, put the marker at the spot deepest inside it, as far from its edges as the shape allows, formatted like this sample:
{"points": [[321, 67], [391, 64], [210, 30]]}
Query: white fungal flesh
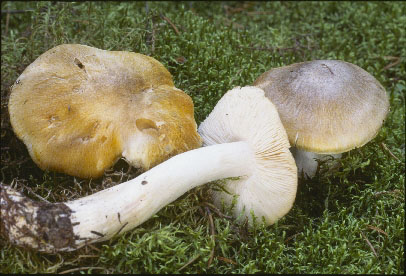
{"points": [[307, 162], [133, 202]]}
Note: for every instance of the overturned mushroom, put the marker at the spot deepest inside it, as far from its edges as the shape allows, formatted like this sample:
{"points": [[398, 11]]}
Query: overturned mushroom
{"points": [[326, 106], [245, 139], [79, 109]]}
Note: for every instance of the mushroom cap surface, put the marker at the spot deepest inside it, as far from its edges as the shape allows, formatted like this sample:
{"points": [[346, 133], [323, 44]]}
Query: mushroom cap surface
{"points": [[246, 114], [78, 109], [326, 106]]}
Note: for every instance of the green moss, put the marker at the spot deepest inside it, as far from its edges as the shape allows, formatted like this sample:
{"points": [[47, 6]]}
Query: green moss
{"points": [[346, 220]]}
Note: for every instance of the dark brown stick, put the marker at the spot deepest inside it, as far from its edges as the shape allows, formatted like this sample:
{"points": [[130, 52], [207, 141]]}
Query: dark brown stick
{"points": [[80, 268], [391, 154], [370, 245], [170, 23], [377, 229], [227, 260], [189, 262], [212, 237]]}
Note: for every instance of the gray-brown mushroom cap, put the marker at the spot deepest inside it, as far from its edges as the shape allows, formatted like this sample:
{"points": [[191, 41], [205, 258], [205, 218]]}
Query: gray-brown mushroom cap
{"points": [[326, 106]]}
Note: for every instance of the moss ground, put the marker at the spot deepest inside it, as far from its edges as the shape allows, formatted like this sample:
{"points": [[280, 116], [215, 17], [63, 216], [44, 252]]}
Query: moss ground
{"points": [[346, 220]]}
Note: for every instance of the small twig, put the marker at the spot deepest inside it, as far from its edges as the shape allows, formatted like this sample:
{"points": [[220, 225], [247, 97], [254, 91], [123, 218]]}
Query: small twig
{"points": [[18, 162], [216, 210], [97, 233], [211, 222], [268, 48], [258, 48], [88, 256], [86, 22], [370, 245], [377, 229], [291, 237], [396, 62], [286, 226], [93, 247], [16, 11], [153, 37], [181, 59], [81, 268], [390, 57], [391, 154], [121, 228], [233, 24], [7, 22], [328, 68], [258, 12], [234, 10], [211, 258], [13, 184], [31, 191], [230, 10], [394, 192], [170, 23], [212, 236], [189, 262], [150, 42], [226, 260]]}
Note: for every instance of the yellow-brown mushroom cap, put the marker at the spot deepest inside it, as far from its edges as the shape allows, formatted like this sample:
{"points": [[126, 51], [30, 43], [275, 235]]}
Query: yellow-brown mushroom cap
{"points": [[326, 106], [78, 109]]}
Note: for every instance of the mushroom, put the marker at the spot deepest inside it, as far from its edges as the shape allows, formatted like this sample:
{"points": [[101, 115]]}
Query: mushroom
{"points": [[244, 139], [78, 109], [326, 106]]}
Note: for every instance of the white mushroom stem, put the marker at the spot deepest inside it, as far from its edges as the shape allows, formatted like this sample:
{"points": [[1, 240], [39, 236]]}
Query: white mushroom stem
{"points": [[133, 202], [263, 163], [100, 216], [307, 162]]}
